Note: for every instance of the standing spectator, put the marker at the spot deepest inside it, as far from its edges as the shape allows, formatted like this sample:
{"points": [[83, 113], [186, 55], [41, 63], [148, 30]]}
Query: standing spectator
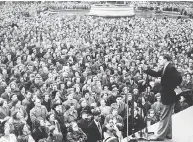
{"points": [[117, 119], [83, 107], [121, 106], [70, 115], [187, 82], [7, 136], [112, 98], [105, 110], [17, 107], [105, 96], [111, 131], [84, 122], [94, 128], [57, 108], [56, 133], [69, 101], [40, 131], [180, 105], [144, 105], [157, 106], [47, 102], [38, 111], [4, 109], [90, 99], [150, 119], [135, 124], [149, 95]]}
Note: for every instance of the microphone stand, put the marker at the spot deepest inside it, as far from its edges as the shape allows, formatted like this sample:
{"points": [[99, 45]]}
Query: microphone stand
{"points": [[127, 118], [143, 133], [133, 137]]}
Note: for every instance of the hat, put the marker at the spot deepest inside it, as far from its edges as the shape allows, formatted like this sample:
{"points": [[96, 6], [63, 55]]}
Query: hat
{"points": [[114, 88], [83, 112], [96, 112]]}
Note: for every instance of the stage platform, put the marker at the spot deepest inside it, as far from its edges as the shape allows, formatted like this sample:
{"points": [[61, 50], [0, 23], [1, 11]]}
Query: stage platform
{"points": [[182, 127]]}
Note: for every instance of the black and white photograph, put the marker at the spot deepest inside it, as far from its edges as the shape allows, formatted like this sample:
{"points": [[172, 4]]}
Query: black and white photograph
{"points": [[96, 71]]}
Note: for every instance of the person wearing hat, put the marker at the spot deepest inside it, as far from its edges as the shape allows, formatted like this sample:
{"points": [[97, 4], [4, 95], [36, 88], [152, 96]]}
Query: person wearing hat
{"points": [[94, 128], [170, 79]]}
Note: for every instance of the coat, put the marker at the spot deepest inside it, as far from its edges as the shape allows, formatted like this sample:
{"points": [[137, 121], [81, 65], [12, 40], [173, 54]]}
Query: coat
{"points": [[55, 138], [36, 112], [83, 124], [38, 134], [122, 109], [25, 138], [169, 81], [93, 132]]}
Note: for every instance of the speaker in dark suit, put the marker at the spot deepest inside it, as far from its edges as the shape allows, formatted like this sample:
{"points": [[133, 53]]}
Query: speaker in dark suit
{"points": [[170, 79], [94, 128]]}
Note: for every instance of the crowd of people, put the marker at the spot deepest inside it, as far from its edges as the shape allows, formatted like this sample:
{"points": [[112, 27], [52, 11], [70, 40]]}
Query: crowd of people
{"points": [[181, 8], [72, 78], [70, 5]]}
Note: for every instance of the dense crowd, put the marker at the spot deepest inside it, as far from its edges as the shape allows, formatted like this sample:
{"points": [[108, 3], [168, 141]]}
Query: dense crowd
{"points": [[71, 79], [69, 5], [182, 8]]}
